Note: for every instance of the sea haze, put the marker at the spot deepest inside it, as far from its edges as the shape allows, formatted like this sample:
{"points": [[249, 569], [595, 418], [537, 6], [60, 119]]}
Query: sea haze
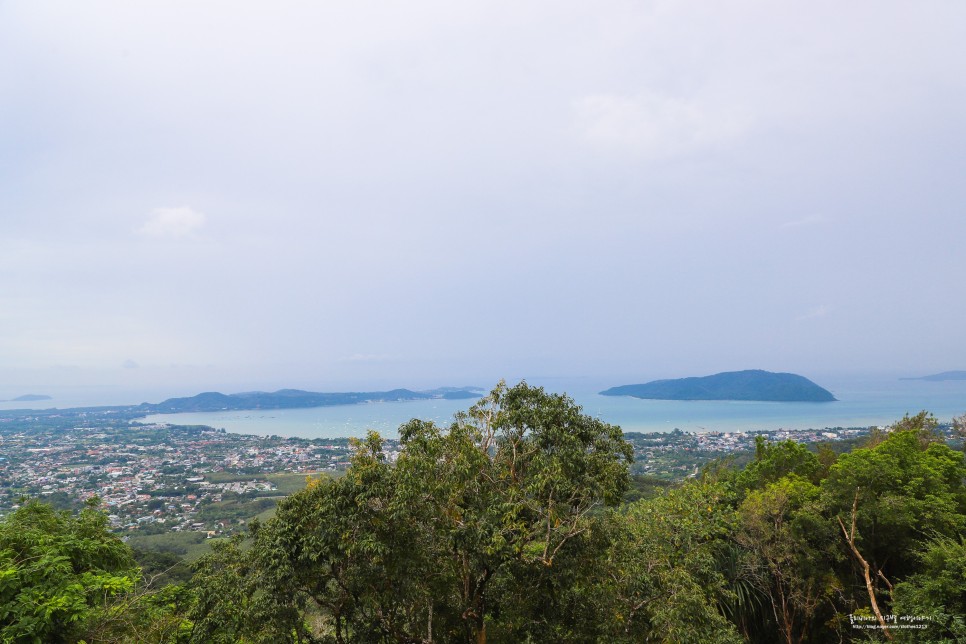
{"points": [[862, 402]]}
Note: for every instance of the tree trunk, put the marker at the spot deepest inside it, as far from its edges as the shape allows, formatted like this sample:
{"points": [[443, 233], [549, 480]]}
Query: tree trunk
{"points": [[866, 568]]}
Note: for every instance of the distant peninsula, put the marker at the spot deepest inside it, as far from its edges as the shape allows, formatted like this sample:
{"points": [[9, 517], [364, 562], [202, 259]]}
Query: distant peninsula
{"points": [[296, 399], [755, 384], [939, 377]]}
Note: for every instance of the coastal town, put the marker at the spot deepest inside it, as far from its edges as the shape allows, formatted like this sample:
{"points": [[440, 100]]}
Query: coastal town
{"points": [[156, 478], [151, 477]]}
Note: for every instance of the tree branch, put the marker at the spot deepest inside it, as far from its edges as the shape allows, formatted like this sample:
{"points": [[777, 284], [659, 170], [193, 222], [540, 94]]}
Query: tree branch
{"points": [[866, 569]]}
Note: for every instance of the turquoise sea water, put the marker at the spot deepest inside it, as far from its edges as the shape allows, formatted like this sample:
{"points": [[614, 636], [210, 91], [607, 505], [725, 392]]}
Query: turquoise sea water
{"points": [[862, 402]]}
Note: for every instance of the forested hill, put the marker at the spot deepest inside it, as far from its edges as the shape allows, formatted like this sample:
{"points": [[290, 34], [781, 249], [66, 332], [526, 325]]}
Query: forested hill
{"points": [[753, 384], [295, 398]]}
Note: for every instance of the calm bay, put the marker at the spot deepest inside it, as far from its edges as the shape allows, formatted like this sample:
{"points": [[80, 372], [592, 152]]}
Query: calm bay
{"points": [[862, 402]]}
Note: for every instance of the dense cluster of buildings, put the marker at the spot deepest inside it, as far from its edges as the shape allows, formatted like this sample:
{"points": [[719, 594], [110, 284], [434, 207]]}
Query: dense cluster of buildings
{"points": [[151, 476], [154, 478]]}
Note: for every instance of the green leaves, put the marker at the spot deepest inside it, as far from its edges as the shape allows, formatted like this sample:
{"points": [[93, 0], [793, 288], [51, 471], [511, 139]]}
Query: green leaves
{"points": [[938, 592], [908, 490], [58, 573], [479, 530], [668, 581], [776, 460]]}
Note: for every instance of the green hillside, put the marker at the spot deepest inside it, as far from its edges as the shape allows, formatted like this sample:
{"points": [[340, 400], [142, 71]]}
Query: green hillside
{"points": [[753, 384]]}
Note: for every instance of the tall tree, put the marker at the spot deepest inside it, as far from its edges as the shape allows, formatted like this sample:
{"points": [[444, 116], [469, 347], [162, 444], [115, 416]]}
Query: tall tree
{"points": [[782, 525], [908, 489], [667, 582], [475, 533]]}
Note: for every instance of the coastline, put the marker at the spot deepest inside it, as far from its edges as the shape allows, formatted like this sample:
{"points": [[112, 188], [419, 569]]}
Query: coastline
{"points": [[862, 403]]}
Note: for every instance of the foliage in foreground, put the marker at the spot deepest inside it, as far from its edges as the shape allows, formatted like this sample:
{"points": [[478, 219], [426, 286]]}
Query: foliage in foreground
{"points": [[66, 578]]}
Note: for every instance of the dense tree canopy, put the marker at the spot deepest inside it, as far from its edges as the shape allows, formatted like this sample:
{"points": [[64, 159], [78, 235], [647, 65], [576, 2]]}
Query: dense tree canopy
{"points": [[66, 578], [476, 533]]}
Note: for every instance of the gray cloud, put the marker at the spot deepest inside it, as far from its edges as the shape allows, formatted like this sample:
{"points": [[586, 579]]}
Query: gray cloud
{"points": [[478, 189]]}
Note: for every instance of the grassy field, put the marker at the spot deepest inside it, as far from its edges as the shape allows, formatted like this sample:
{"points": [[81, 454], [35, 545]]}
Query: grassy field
{"points": [[232, 477], [289, 483], [230, 511], [266, 515], [189, 545], [286, 482]]}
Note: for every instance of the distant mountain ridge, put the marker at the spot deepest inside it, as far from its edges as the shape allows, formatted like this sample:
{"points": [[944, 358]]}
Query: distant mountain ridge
{"points": [[296, 399], [752, 385], [939, 377], [29, 398]]}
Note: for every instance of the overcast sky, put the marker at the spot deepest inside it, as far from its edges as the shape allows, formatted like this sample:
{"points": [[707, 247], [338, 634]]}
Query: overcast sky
{"points": [[231, 195]]}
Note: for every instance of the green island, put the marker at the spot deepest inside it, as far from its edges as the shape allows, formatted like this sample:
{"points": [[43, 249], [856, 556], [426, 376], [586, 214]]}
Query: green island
{"points": [[296, 398], [525, 520], [752, 384]]}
